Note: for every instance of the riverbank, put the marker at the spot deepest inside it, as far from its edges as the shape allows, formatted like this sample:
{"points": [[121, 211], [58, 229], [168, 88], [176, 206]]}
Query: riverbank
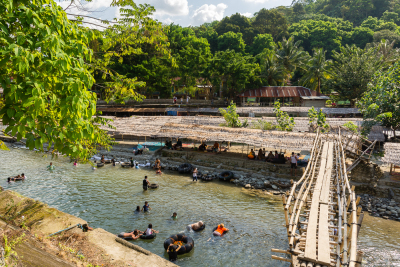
{"points": [[27, 223]]}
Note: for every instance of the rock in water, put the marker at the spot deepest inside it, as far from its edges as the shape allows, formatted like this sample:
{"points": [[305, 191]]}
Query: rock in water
{"points": [[274, 187], [248, 186]]}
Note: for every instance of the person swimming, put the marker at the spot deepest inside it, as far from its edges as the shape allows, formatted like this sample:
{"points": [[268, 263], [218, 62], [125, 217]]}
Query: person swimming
{"points": [[174, 216], [134, 235], [221, 230], [51, 166], [137, 209]]}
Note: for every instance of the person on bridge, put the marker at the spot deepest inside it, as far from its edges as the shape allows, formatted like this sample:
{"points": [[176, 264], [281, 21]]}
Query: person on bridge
{"points": [[293, 164]]}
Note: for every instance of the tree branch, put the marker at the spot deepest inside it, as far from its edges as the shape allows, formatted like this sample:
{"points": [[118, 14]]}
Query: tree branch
{"points": [[91, 18], [89, 23]]}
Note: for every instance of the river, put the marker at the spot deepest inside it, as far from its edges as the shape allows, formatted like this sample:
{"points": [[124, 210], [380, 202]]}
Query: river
{"points": [[108, 196]]}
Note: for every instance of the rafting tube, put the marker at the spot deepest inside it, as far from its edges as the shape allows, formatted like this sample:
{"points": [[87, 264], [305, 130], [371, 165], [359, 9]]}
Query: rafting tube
{"points": [[226, 176], [100, 164], [125, 165], [201, 228], [107, 161], [206, 178], [121, 235], [185, 168], [144, 236], [216, 229], [186, 240], [153, 186], [14, 179]]}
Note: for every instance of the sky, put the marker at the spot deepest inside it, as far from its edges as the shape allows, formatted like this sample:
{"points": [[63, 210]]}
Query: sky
{"points": [[182, 12]]}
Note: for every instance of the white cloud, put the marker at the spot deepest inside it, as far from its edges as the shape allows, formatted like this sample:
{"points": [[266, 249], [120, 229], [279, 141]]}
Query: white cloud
{"points": [[247, 14], [208, 13], [257, 1], [170, 7]]}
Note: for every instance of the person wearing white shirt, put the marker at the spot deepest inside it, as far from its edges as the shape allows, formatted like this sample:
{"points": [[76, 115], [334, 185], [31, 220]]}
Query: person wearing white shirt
{"points": [[293, 164]]}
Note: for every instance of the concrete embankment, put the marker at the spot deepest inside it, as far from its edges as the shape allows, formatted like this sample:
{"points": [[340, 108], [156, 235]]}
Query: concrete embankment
{"points": [[30, 222]]}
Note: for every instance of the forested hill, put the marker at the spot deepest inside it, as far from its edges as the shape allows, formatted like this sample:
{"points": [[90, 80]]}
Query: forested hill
{"points": [[326, 45]]}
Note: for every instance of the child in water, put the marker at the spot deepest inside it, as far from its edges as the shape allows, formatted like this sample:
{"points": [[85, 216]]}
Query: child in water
{"points": [[50, 167], [174, 216]]}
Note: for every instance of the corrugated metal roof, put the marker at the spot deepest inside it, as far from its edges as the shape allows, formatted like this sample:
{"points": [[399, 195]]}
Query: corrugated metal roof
{"points": [[315, 97], [280, 91], [128, 109]]}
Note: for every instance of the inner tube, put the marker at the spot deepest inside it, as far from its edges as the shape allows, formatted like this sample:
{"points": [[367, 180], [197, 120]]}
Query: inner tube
{"points": [[125, 165], [107, 161], [201, 228], [144, 236], [222, 233], [121, 235], [100, 164], [206, 178], [9, 179], [187, 240], [153, 186], [226, 176], [185, 168]]}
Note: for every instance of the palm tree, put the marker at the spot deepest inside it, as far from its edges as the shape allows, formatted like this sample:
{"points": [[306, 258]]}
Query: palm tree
{"points": [[271, 70], [291, 56], [317, 70]]}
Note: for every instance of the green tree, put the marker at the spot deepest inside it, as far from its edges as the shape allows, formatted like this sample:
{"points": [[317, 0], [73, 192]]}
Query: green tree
{"points": [[380, 103], [290, 55], [233, 41], [317, 70], [230, 115], [285, 123], [262, 42], [271, 22], [361, 37], [272, 72], [352, 70], [236, 23], [317, 119], [388, 35], [371, 23]]}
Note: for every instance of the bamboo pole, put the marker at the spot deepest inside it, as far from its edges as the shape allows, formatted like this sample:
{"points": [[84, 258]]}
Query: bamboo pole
{"points": [[280, 258], [353, 251], [286, 216]]}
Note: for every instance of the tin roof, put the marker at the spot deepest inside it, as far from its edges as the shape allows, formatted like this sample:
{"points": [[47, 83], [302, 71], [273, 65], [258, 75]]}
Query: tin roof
{"points": [[280, 91]]}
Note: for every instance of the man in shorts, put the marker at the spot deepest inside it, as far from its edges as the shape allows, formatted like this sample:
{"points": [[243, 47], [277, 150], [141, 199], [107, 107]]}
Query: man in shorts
{"points": [[293, 164], [146, 183]]}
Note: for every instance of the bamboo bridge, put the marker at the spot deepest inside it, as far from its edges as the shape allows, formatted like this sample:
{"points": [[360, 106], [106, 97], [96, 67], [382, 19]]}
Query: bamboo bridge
{"points": [[321, 214]]}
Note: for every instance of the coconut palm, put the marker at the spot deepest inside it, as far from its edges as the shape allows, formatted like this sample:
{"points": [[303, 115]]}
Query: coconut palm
{"points": [[271, 70], [291, 55], [317, 70]]}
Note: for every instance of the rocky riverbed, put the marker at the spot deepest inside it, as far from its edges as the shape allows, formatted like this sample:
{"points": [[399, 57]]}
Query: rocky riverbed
{"points": [[380, 207]]}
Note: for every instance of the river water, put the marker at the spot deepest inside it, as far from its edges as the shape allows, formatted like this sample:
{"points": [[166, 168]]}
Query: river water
{"points": [[107, 197]]}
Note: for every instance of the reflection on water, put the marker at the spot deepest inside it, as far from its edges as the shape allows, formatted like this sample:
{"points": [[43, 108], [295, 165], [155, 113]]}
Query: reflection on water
{"points": [[107, 197]]}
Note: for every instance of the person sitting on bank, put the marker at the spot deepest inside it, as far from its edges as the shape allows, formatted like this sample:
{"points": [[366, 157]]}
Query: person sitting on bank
{"points": [[195, 226], [216, 147], [270, 157], [146, 207], [203, 147], [134, 235], [173, 252], [178, 145], [220, 230], [146, 183], [102, 159], [276, 156], [251, 155], [168, 144], [51, 166], [260, 155], [86, 227]]}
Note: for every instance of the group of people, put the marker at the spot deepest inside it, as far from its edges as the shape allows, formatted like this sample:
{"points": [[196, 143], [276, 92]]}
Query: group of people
{"points": [[216, 148], [16, 178], [135, 234], [177, 146], [278, 158], [187, 99]]}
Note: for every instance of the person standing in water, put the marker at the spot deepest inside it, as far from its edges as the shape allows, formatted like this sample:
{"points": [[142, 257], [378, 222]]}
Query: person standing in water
{"points": [[174, 216], [195, 174], [146, 207], [51, 166], [173, 252], [146, 183]]}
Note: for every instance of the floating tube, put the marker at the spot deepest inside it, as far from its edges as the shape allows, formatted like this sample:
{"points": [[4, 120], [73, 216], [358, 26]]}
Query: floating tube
{"points": [[107, 161], [121, 235], [125, 165], [100, 164], [187, 240], [12, 179], [226, 175], [144, 236], [153, 186], [185, 168], [201, 228], [216, 229]]}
